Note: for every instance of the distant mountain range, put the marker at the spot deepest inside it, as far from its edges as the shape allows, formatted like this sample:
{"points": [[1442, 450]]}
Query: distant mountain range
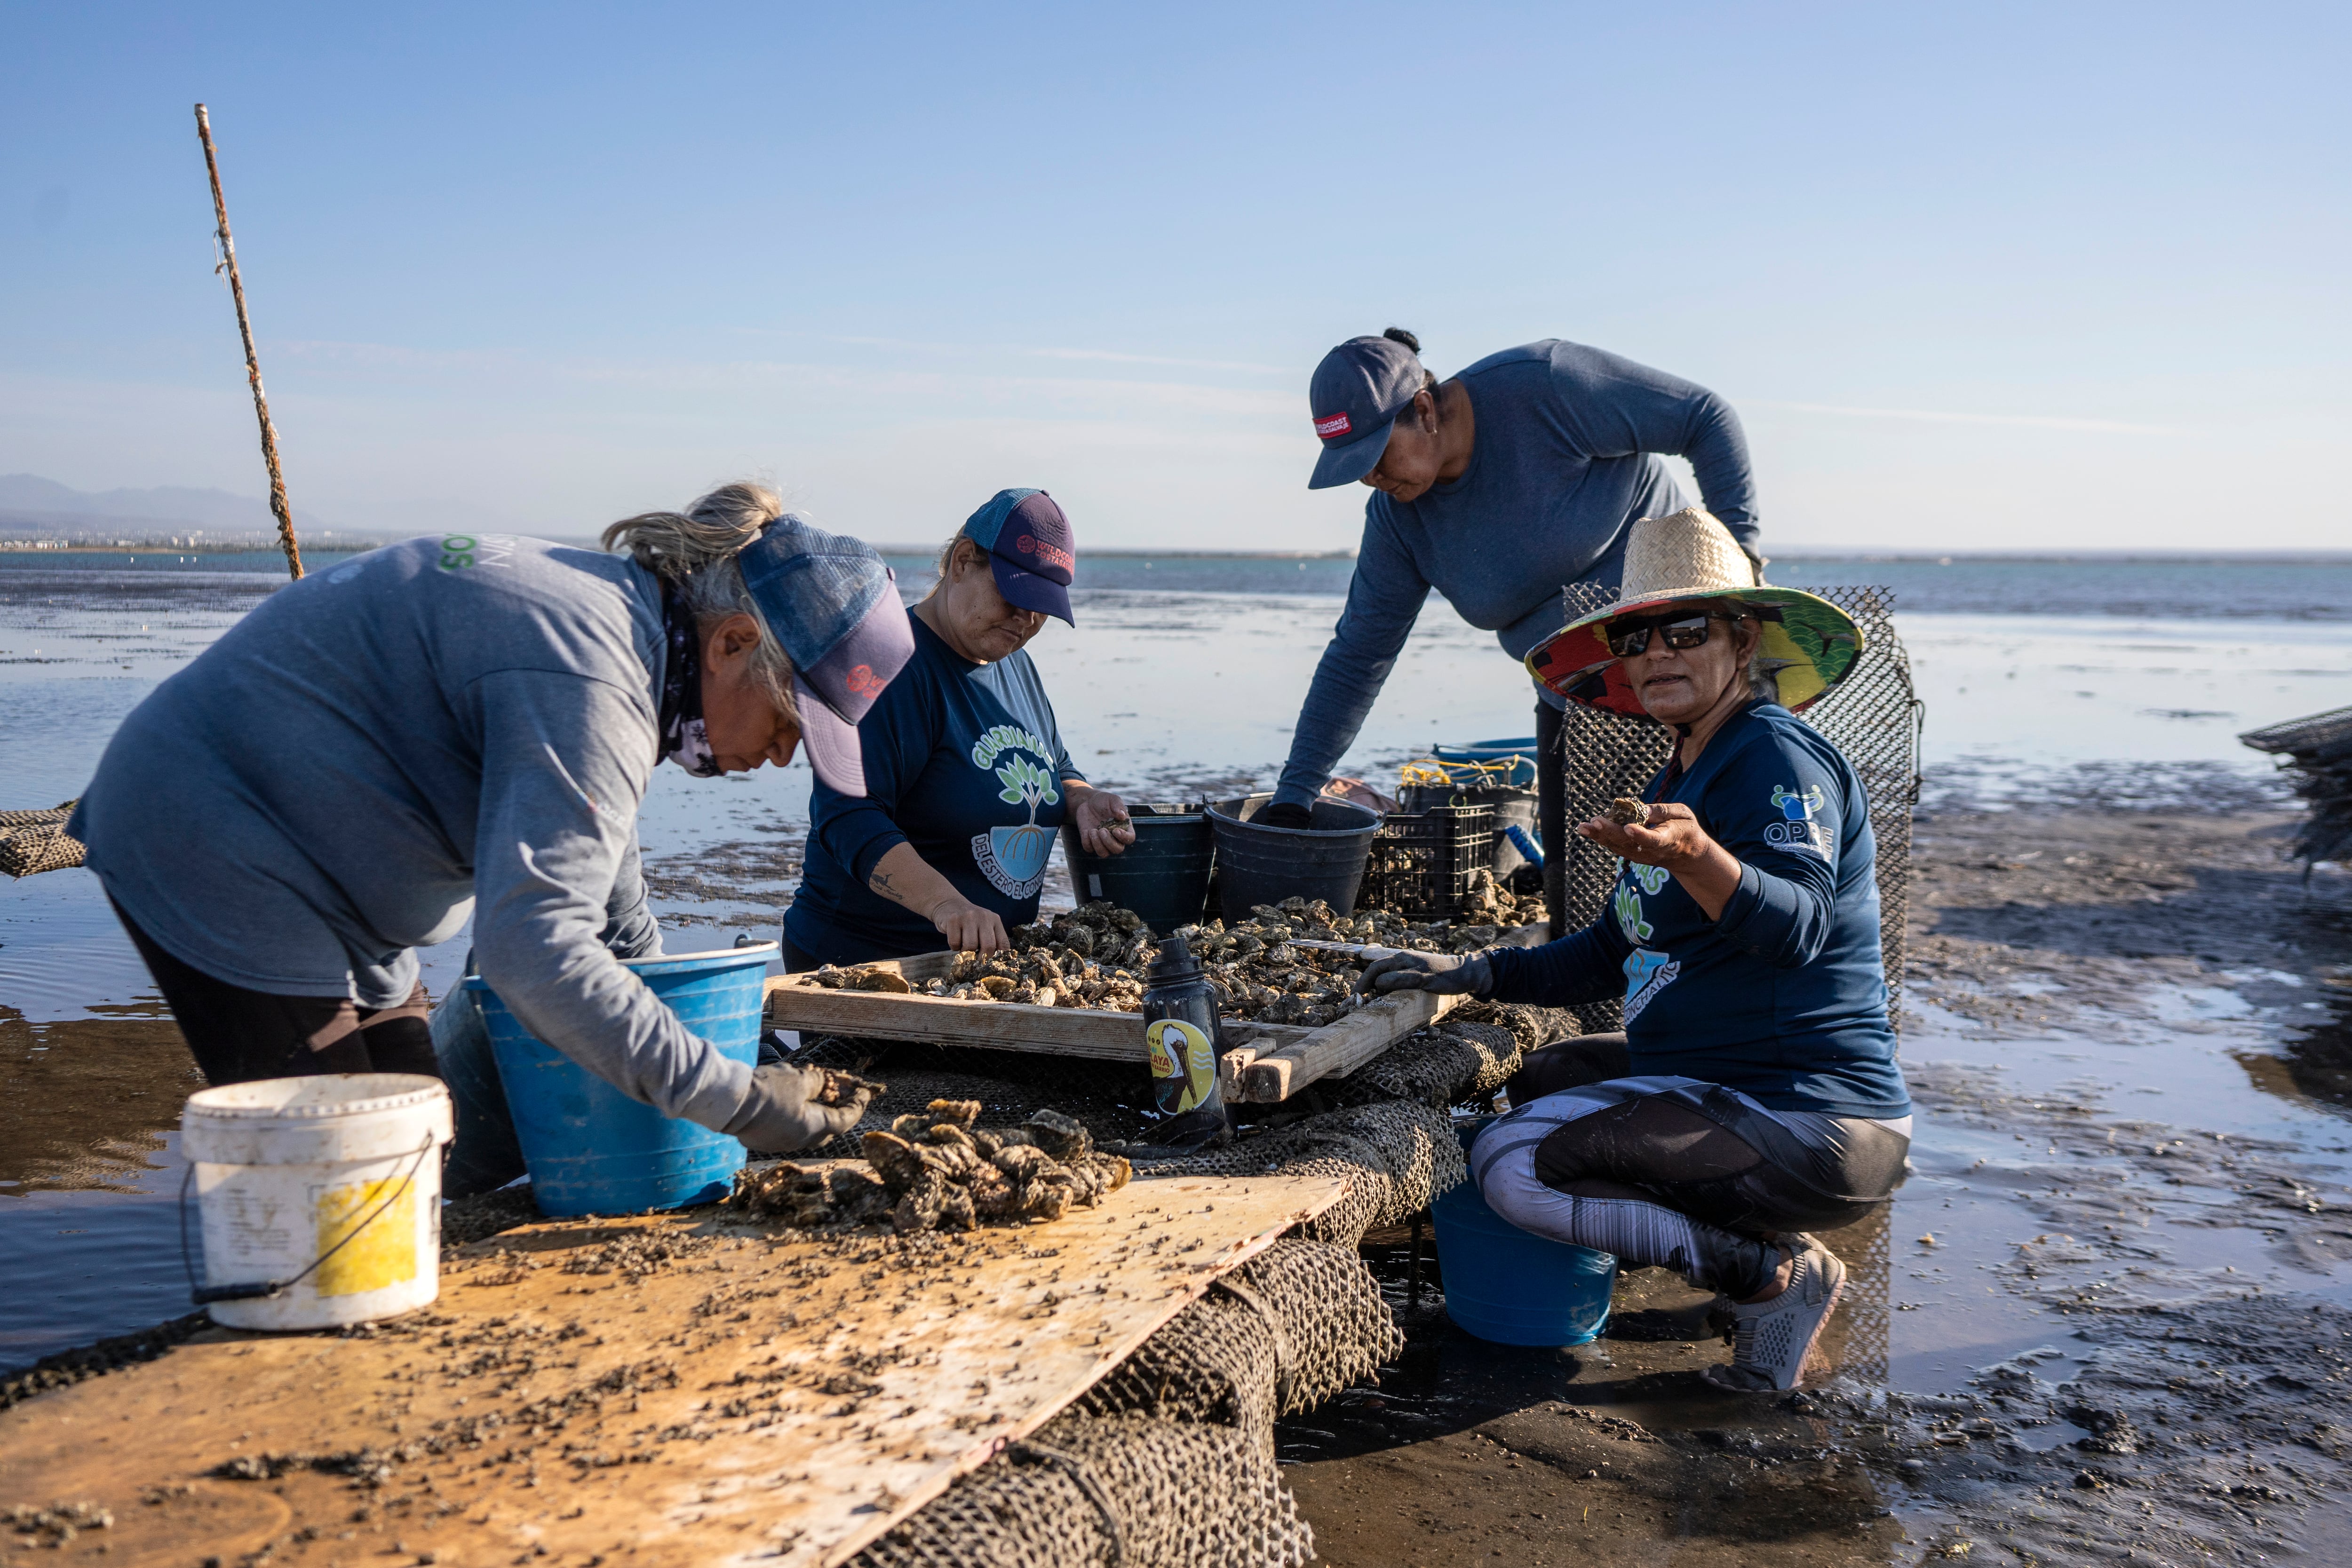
{"points": [[38, 511]]}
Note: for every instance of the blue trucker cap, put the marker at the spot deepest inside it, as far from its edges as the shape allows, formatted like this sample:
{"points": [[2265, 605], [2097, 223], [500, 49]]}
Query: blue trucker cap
{"points": [[835, 606], [1030, 549], [1358, 390]]}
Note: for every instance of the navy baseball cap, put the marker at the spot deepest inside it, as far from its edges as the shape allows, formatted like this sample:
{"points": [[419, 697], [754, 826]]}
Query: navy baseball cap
{"points": [[1358, 390], [835, 606], [1030, 549]]}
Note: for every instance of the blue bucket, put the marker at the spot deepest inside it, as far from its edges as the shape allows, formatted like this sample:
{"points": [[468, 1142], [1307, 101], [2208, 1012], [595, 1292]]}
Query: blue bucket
{"points": [[1519, 750], [591, 1149], [1511, 1286]]}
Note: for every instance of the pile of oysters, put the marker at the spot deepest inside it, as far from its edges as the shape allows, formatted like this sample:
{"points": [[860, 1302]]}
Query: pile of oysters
{"points": [[936, 1169]]}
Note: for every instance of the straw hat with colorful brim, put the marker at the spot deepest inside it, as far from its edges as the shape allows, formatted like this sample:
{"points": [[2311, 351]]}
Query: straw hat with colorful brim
{"points": [[1810, 645]]}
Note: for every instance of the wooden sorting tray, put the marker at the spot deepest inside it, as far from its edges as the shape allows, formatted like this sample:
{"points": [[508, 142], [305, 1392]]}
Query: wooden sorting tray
{"points": [[769, 1395], [1264, 1063]]}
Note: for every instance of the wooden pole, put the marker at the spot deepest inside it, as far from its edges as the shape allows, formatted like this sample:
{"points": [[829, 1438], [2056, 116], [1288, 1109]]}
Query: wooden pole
{"points": [[277, 504]]}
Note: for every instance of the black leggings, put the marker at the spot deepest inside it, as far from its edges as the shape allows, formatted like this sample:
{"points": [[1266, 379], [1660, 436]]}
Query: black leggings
{"points": [[239, 1035], [1672, 1171], [1709, 1155]]}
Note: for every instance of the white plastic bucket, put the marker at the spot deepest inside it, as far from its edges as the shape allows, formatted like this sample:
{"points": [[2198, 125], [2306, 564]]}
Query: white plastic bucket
{"points": [[327, 1187]]}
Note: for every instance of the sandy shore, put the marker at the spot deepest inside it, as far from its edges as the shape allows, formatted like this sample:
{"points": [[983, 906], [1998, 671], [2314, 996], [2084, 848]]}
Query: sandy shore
{"points": [[2105, 1319]]}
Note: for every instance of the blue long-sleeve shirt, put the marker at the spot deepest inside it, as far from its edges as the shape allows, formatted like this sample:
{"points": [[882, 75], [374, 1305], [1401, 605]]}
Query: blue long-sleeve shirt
{"points": [[1784, 995], [1567, 457], [963, 761]]}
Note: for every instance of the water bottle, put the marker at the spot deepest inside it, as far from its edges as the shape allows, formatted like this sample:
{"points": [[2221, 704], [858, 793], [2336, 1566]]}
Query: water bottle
{"points": [[1183, 1042]]}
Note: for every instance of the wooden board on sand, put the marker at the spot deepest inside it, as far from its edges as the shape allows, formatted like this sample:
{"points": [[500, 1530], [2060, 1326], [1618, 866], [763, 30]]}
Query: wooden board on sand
{"points": [[1266, 1062], [646, 1392]]}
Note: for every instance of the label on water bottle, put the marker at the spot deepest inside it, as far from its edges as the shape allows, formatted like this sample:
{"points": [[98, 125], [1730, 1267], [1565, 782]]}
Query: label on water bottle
{"points": [[1183, 1060]]}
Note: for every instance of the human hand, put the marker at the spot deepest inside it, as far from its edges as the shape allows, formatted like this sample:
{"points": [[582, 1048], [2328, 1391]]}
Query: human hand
{"points": [[1671, 838], [782, 1115], [1441, 974], [1284, 814], [1104, 826], [967, 927]]}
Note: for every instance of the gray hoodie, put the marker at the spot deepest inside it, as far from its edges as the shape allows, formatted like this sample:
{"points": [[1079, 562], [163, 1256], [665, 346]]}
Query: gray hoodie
{"points": [[456, 724]]}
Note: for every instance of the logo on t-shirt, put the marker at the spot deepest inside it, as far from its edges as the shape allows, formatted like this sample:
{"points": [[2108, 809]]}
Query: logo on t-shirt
{"points": [[1013, 858], [1647, 974], [1798, 829], [459, 551]]}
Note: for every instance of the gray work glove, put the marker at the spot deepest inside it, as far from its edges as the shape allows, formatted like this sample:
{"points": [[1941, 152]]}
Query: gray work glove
{"points": [[1445, 974], [781, 1115]]}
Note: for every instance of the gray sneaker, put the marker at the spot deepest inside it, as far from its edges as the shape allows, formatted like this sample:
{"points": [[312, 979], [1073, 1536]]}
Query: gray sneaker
{"points": [[1770, 1340]]}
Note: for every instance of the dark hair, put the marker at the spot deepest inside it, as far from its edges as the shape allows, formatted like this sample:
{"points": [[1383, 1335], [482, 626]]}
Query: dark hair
{"points": [[1399, 335]]}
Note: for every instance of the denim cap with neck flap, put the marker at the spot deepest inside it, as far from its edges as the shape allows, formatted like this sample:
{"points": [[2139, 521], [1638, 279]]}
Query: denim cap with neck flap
{"points": [[1031, 550], [835, 606]]}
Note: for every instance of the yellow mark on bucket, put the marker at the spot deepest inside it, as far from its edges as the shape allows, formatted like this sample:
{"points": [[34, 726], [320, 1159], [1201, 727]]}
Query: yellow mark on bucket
{"points": [[384, 1252]]}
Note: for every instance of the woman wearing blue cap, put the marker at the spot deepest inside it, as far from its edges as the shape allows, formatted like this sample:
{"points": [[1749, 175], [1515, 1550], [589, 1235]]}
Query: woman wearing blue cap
{"points": [[967, 781], [463, 726], [1496, 487]]}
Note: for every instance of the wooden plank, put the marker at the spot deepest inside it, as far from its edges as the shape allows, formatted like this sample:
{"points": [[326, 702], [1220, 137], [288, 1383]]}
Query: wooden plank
{"points": [[1264, 1063], [795, 1002], [758, 1393], [1338, 1049]]}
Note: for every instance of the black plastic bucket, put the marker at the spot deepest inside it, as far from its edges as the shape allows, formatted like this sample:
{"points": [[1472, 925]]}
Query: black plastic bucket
{"points": [[1163, 876], [1265, 865]]}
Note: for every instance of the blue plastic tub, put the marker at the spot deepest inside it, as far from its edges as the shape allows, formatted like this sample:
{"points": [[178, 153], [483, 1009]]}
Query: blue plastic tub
{"points": [[1517, 749], [1511, 1286], [591, 1149]]}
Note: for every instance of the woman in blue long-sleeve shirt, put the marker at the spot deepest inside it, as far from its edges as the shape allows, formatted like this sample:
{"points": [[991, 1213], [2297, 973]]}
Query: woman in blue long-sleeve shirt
{"points": [[967, 781], [1496, 487], [1754, 1093]]}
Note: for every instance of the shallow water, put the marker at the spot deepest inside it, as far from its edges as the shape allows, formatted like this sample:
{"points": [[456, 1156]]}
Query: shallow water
{"points": [[1172, 694]]}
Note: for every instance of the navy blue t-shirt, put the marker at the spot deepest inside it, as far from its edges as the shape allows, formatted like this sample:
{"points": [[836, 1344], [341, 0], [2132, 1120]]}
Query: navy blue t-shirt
{"points": [[965, 762], [1784, 997]]}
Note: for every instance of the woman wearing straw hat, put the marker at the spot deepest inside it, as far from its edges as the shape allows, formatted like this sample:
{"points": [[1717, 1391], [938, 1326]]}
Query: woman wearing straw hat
{"points": [[1496, 487], [1753, 1094]]}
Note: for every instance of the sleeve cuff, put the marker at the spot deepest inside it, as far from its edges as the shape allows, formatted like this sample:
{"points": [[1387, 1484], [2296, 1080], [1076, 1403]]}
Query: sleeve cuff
{"points": [[1744, 902], [867, 856]]}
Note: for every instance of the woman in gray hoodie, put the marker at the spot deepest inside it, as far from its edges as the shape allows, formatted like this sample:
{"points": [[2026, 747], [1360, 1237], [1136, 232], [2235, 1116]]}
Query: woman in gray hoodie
{"points": [[465, 724]]}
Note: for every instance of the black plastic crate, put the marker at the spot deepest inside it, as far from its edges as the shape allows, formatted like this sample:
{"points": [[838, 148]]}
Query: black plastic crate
{"points": [[1421, 863]]}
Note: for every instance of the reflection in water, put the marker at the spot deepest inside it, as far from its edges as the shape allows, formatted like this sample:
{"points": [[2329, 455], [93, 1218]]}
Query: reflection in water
{"points": [[85, 1105], [89, 1178], [2315, 1064]]}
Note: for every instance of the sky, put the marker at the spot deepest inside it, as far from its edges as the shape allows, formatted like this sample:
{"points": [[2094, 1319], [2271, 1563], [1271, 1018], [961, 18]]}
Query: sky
{"points": [[1984, 277]]}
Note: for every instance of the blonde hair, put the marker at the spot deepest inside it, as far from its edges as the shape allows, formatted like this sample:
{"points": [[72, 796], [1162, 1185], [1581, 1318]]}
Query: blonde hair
{"points": [[695, 549], [947, 557]]}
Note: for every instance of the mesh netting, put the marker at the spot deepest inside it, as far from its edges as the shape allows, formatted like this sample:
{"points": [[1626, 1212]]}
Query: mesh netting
{"points": [[1872, 717], [1170, 1457], [1865, 1316], [1280, 1334], [1127, 1490], [1461, 1060], [35, 841], [1395, 1158]]}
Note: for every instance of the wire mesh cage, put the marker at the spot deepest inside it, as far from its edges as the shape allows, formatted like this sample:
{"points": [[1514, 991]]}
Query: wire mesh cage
{"points": [[1872, 717]]}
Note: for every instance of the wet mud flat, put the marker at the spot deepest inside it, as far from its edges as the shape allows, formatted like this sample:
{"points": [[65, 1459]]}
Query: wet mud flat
{"points": [[2106, 1319]]}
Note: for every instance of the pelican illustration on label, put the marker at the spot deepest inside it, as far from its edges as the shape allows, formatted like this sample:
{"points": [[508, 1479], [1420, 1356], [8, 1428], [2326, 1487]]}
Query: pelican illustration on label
{"points": [[1179, 1050]]}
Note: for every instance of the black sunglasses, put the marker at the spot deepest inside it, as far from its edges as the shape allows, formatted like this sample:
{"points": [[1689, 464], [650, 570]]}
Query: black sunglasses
{"points": [[1627, 637]]}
